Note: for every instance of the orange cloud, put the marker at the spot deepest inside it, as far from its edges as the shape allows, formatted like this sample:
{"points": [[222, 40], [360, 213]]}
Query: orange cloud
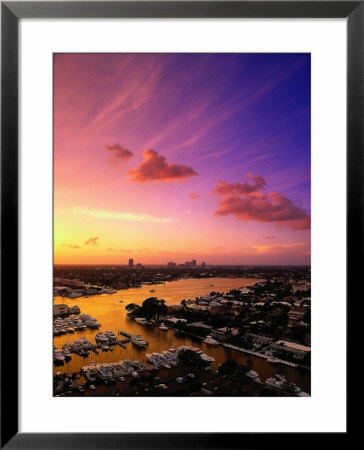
{"points": [[156, 168], [91, 241]]}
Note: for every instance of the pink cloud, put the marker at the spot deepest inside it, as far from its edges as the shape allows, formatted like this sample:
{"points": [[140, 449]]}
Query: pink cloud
{"points": [[246, 202], [257, 183], [195, 195], [91, 241], [119, 151], [156, 168], [270, 237]]}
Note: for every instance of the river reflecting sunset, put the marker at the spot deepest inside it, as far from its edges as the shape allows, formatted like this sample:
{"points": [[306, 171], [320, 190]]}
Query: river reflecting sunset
{"points": [[108, 310]]}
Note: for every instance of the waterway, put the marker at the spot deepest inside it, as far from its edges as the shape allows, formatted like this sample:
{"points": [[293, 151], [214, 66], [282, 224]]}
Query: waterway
{"points": [[109, 309]]}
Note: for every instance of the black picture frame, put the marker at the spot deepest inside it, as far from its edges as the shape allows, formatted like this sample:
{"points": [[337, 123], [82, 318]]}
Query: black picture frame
{"points": [[11, 12]]}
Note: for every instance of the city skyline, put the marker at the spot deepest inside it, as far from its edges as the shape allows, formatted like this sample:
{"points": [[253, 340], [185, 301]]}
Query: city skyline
{"points": [[175, 157]]}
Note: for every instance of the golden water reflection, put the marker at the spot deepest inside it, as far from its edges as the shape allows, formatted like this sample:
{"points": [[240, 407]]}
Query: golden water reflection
{"points": [[108, 310]]}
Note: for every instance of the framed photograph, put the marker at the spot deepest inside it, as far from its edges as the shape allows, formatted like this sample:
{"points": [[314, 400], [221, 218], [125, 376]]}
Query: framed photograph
{"points": [[181, 213]]}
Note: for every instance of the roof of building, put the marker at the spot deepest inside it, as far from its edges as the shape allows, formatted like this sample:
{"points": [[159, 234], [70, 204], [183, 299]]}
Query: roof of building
{"points": [[295, 346], [199, 325], [176, 319]]}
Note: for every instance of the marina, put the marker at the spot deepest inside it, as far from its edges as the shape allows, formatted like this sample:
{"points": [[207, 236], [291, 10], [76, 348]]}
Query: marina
{"points": [[112, 315]]}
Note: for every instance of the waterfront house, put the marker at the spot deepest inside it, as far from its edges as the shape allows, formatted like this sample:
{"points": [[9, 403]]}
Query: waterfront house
{"points": [[224, 332], [298, 351], [257, 339]]}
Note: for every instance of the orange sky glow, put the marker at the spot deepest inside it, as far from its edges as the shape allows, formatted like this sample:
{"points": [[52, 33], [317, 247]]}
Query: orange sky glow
{"points": [[177, 157]]}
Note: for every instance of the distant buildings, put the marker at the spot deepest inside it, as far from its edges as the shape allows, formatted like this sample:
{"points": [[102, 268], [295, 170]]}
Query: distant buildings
{"points": [[131, 262], [190, 263]]}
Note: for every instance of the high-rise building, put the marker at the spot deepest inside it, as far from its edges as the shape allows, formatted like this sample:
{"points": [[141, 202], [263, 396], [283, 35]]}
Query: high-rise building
{"points": [[131, 262]]}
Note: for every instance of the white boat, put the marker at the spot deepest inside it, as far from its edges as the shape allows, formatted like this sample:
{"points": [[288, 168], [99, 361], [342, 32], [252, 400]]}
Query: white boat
{"points": [[90, 372], [100, 337], [58, 356], [110, 335], [213, 303], [109, 291], [209, 340], [252, 374], [139, 341], [163, 327], [206, 358], [74, 295], [104, 371], [141, 320], [273, 361]]}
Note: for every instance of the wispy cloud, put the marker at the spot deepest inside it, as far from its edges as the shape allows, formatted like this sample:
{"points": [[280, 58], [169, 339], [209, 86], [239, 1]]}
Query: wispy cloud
{"points": [[91, 241], [126, 216], [279, 247], [195, 195]]}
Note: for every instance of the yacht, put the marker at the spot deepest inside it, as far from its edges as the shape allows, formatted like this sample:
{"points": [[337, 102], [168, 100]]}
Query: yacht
{"points": [[139, 341], [104, 370], [163, 327], [207, 358], [58, 356], [92, 323], [141, 320], [101, 338], [210, 341], [109, 291], [254, 376], [90, 372], [110, 335], [273, 361], [74, 295], [117, 369]]}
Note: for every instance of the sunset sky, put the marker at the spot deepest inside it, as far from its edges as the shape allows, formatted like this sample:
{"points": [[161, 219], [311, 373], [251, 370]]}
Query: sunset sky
{"points": [[161, 157]]}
